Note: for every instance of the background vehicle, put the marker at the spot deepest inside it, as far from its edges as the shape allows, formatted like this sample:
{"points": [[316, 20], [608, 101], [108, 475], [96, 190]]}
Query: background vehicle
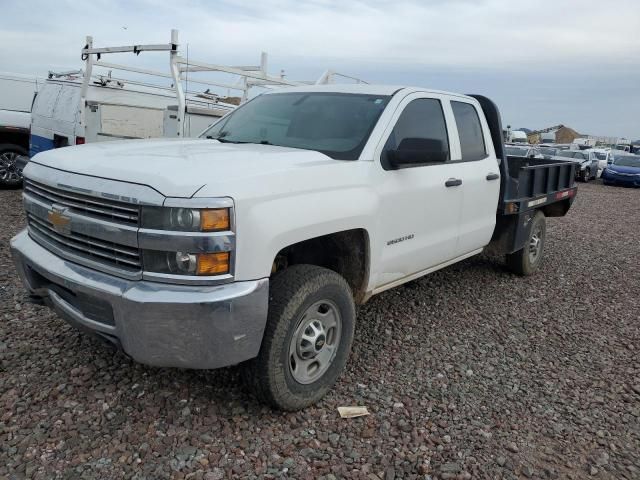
{"points": [[587, 164], [547, 151], [112, 110], [517, 136], [524, 151], [583, 143], [255, 243], [625, 171], [604, 157], [16, 96]]}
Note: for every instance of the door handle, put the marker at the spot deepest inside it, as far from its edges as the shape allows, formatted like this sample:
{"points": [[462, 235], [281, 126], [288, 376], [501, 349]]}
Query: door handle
{"points": [[453, 182], [493, 176]]}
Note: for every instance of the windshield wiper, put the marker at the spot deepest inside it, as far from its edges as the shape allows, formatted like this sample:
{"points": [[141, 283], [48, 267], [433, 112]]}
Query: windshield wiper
{"points": [[222, 138]]}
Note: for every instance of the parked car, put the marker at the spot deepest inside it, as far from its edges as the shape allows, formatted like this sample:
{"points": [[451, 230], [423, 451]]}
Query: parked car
{"points": [[586, 163], [524, 151], [625, 170], [548, 152], [254, 243], [604, 157], [16, 97]]}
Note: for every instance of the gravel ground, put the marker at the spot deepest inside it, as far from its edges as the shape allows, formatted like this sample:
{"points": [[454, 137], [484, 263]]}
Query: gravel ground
{"points": [[468, 373]]}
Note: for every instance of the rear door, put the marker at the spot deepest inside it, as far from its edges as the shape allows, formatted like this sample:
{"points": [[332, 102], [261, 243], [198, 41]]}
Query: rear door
{"points": [[42, 119], [481, 184], [419, 213]]}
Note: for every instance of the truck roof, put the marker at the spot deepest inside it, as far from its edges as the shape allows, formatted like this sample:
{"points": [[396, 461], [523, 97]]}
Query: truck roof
{"points": [[362, 88]]}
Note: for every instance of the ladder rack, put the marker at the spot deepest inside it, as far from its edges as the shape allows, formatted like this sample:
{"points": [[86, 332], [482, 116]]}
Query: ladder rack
{"points": [[179, 68]]}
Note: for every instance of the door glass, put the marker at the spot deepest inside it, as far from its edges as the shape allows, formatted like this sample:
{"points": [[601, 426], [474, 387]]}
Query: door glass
{"points": [[422, 122], [470, 132]]}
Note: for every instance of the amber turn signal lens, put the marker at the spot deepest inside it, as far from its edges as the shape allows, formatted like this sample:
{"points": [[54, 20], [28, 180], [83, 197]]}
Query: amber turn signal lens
{"points": [[213, 263], [215, 220]]}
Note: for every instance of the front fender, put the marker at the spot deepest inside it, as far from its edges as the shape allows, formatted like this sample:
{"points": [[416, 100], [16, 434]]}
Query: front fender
{"points": [[266, 226]]}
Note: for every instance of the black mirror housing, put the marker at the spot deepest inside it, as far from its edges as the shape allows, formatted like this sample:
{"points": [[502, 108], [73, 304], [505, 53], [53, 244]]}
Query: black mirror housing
{"points": [[417, 151]]}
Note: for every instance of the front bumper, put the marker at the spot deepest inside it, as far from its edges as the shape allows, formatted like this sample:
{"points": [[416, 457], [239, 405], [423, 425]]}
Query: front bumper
{"points": [[156, 324], [620, 179]]}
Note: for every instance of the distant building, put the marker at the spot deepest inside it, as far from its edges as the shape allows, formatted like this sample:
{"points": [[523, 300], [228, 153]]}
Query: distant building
{"points": [[566, 135]]}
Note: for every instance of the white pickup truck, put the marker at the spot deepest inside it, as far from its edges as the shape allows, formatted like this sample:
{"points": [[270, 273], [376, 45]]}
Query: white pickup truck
{"points": [[254, 243]]}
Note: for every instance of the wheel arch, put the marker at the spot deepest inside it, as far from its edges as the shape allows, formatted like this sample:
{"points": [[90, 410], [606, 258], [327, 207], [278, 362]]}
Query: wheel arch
{"points": [[15, 136], [346, 252]]}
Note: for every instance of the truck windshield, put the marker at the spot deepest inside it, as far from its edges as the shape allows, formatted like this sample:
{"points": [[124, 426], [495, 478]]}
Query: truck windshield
{"points": [[336, 124]]}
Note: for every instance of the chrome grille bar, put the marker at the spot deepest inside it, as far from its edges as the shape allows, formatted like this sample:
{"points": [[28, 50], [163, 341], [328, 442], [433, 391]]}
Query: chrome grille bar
{"points": [[97, 250], [107, 209]]}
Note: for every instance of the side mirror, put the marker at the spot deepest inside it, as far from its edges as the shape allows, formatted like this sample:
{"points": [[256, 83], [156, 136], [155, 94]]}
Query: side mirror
{"points": [[417, 151]]}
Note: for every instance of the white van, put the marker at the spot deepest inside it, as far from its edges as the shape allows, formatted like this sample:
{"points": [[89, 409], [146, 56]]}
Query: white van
{"points": [[113, 110], [16, 97], [517, 136]]}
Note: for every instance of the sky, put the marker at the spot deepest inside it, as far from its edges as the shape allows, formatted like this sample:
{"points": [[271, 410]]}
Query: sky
{"points": [[544, 62]]}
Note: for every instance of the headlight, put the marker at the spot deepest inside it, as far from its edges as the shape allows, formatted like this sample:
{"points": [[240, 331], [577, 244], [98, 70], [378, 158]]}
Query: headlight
{"points": [[179, 243], [184, 263], [186, 219]]}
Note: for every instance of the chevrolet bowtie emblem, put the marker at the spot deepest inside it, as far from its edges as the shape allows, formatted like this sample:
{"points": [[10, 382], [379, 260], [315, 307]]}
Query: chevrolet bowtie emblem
{"points": [[61, 223]]}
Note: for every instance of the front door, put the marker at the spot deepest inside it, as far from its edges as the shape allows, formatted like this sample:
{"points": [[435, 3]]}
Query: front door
{"points": [[420, 204]]}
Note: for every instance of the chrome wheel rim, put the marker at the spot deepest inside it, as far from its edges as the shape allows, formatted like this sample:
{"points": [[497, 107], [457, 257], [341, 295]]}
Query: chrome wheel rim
{"points": [[315, 342], [8, 169], [535, 245]]}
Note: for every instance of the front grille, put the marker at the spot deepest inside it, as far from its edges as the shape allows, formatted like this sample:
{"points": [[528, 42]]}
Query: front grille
{"points": [[96, 246], [101, 251], [104, 209]]}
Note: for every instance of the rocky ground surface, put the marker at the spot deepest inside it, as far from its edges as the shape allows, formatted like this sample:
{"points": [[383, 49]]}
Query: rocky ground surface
{"points": [[471, 372]]}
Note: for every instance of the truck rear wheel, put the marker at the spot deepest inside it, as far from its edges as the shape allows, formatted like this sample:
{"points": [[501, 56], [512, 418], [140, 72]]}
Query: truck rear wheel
{"points": [[528, 259], [307, 339], [10, 174]]}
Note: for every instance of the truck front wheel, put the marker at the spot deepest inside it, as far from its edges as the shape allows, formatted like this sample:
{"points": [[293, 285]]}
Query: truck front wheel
{"points": [[307, 338], [528, 259]]}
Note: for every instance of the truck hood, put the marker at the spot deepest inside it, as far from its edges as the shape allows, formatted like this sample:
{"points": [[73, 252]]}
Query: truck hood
{"points": [[181, 167]]}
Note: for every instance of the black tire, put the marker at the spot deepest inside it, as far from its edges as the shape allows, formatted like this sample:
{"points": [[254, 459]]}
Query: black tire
{"points": [[291, 293], [585, 176], [10, 177], [521, 262]]}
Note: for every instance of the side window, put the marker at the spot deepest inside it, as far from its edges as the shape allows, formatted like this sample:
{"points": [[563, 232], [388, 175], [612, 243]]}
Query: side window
{"points": [[470, 132], [419, 136]]}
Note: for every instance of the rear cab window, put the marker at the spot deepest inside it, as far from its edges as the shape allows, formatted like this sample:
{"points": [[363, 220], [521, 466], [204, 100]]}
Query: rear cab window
{"points": [[470, 133]]}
